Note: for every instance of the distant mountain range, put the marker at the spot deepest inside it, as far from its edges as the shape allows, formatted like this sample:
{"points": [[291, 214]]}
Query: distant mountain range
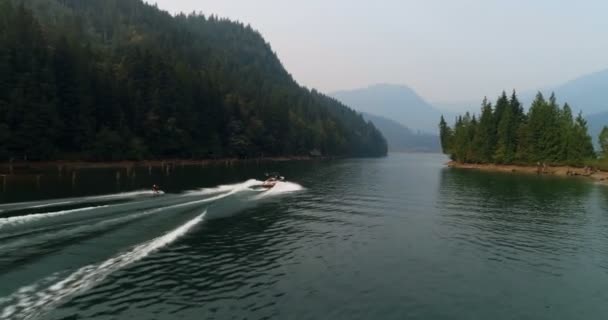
{"points": [[401, 139], [396, 102], [586, 93], [407, 121], [399, 112]]}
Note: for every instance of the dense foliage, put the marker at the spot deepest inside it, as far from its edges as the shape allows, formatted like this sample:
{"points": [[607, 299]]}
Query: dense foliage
{"points": [[505, 134], [120, 79]]}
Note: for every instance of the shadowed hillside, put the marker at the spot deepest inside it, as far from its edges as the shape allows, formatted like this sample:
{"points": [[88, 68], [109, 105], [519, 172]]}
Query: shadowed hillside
{"points": [[120, 79]]}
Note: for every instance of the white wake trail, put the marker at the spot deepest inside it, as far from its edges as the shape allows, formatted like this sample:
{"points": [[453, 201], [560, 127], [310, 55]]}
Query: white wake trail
{"points": [[17, 220], [106, 223], [282, 187], [225, 188], [31, 301], [72, 201]]}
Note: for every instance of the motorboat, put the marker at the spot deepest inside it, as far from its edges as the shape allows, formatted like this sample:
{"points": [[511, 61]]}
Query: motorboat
{"points": [[272, 179]]}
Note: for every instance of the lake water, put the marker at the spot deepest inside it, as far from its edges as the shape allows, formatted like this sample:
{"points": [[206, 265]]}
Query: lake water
{"points": [[394, 238]]}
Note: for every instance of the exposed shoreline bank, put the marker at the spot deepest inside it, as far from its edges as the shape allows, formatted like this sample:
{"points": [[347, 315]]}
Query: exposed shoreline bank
{"points": [[33, 167], [561, 171]]}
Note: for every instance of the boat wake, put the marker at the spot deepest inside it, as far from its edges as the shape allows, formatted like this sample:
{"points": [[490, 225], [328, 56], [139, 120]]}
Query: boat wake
{"points": [[17, 220], [33, 205], [40, 234], [31, 301], [280, 188]]}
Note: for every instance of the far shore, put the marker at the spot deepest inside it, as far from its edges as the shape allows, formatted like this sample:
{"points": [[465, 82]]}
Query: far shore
{"points": [[30, 167], [562, 171]]}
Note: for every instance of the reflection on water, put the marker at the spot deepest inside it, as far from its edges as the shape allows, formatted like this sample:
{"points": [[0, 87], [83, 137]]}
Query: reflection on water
{"points": [[517, 217], [393, 238]]}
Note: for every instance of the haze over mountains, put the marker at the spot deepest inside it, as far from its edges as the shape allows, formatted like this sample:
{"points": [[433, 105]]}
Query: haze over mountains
{"points": [[397, 102], [406, 120], [399, 112], [586, 93], [402, 139]]}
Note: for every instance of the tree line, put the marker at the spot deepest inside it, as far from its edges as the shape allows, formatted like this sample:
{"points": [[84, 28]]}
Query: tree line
{"points": [[504, 133], [121, 79]]}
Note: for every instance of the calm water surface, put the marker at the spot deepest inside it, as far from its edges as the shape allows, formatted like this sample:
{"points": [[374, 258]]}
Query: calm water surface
{"points": [[394, 238]]}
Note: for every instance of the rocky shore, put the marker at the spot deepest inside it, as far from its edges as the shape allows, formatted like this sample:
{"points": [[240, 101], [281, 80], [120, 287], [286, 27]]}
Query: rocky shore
{"points": [[565, 171]]}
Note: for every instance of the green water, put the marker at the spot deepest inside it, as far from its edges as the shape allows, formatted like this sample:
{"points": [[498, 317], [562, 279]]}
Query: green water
{"points": [[394, 238]]}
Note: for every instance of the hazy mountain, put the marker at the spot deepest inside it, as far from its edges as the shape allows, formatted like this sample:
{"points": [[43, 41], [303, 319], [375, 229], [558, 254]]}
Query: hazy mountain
{"points": [[457, 107], [397, 102], [401, 138], [587, 93]]}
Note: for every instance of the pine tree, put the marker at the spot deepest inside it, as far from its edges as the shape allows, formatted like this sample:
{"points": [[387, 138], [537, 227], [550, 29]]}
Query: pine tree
{"points": [[533, 142], [459, 142], [75, 75], [502, 104], [547, 133], [473, 151], [445, 135], [507, 131], [506, 139], [566, 133], [484, 136], [582, 146], [551, 143]]}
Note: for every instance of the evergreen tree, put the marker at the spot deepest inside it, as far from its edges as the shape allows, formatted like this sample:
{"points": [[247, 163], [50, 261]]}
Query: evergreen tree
{"points": [[120, 79], [502, 104], [484, 136], [445, 135], [506, 137], [547, 133], [473, 151], [509, 123], [567, 134], [582, 146], [459, 142]]}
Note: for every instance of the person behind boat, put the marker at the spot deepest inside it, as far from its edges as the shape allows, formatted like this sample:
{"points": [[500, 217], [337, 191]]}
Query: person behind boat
{"points": [[269, 183]]}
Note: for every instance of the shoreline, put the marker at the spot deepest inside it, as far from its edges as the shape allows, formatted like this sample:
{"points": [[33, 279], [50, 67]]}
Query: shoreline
{"points": [[559, 171], [32, 167]]}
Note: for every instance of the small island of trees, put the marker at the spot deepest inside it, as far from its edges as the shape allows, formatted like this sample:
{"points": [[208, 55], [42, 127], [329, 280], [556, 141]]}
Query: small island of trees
{"points": [[504, 133]]}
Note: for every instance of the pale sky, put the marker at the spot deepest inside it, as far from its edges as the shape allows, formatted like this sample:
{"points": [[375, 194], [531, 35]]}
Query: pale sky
{"points": [[446, 50]]}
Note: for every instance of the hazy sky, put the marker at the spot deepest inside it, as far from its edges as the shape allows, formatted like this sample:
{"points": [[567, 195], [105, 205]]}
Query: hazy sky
{"points": [[446, 50]]}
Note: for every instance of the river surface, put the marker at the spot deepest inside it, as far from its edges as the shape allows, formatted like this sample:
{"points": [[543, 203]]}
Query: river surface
{"points": [[395, 238]]}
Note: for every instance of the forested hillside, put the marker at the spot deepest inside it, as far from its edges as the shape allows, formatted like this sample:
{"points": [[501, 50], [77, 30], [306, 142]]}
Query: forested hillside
{"points": [[120, 79], [505, 134]]}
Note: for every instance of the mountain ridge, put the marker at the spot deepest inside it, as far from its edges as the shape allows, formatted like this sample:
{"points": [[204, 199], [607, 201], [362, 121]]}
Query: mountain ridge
{"points": [[121, 79], [394, 101], [584, 93]]}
